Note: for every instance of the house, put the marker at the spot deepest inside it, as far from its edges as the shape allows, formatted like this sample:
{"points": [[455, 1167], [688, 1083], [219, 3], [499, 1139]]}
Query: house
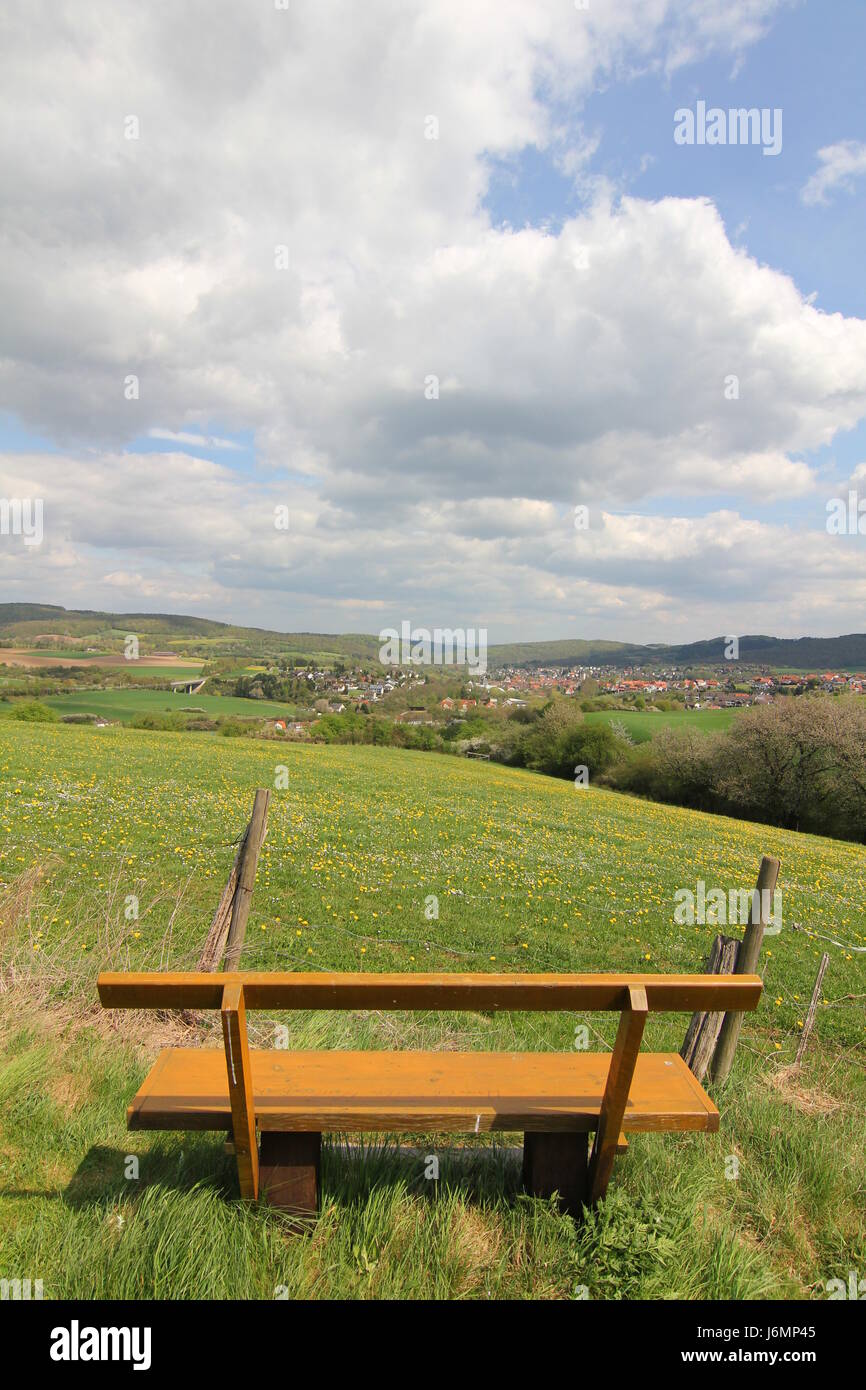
{"points": [[447, 703]]}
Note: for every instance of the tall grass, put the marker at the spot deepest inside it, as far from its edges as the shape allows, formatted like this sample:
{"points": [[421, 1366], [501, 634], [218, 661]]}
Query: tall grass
{"points": [[774, 1205]]}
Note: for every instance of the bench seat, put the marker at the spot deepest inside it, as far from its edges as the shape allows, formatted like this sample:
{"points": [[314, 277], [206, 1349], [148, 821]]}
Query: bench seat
{"points": [[409, 1092]]}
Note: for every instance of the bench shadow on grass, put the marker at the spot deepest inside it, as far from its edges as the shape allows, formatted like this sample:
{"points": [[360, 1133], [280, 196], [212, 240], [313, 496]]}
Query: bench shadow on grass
{"points": [[101, 1177], [351, 1170]]}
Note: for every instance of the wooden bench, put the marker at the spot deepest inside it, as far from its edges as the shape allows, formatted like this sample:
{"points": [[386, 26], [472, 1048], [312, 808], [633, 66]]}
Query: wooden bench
{"points": [[556, 1098]]}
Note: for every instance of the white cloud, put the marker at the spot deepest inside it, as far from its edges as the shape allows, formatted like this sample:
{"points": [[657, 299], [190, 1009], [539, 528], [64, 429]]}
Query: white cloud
{"points": [[203, 542], [840, 165], [305, 129], [197, 440]]}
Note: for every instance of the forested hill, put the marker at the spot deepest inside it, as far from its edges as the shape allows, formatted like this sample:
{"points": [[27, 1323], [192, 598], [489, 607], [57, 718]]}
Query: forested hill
{"points": [[22, 622]]}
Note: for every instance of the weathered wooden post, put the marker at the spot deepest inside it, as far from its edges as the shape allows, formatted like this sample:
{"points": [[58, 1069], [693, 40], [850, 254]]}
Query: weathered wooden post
{"points": [[230, 918], [747, 964], [813, 1008], [703, 1030], [246, 878]]}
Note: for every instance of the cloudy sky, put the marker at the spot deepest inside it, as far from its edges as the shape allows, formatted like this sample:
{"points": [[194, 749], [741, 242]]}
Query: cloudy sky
{"points": [[431, 276]]}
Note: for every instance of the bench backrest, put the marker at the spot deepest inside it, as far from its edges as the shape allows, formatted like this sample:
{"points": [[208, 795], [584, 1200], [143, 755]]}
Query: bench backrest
{"points": [[294, 990]]}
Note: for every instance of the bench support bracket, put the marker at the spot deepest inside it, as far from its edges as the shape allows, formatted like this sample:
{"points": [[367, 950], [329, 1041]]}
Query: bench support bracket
{"points": [[615, 1100], [556, 1162], [289, 1171], [234, 1021]]}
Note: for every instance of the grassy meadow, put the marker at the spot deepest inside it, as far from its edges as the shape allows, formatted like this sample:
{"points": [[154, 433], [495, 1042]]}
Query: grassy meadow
{"points": [[125, 705], [641, 725], [528, 874]]}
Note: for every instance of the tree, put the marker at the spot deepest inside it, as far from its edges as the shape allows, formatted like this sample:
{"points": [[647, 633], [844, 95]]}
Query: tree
{"points": [[684, 766], [561, 741], [32, 712], [593, 746], [540, 746], [784, 762], [851, 763]]}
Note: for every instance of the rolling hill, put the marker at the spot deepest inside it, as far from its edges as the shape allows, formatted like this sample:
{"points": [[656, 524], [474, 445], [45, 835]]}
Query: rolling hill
{"points": [[24, 622]]}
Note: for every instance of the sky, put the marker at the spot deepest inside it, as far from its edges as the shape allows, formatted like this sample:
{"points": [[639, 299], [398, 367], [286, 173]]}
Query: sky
{"points": [[327, 316]]}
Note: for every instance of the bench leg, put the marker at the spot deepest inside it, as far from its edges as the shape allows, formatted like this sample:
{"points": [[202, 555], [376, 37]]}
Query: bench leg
{"points": [[289, 1168], [556, 1162], [615, 1100]]}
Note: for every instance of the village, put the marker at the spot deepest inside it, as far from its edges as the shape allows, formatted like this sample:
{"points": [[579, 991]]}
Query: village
{"points": [[430, 694], [726, 689]]}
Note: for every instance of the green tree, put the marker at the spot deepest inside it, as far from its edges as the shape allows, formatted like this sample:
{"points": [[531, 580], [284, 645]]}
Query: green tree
{"points": [[32, 712]]}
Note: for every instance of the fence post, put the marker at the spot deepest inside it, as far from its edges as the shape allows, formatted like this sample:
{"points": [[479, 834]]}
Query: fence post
{"points": [[246, 878], [813, 1007], [703, 1030], [248, 851], [747, 962]]}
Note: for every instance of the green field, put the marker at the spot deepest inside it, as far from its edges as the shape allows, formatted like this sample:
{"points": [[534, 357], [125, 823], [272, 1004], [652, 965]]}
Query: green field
{"points": [[124, 705], [67, 653], [13, 675], [530, 874], [170, 673], [642, 724]]}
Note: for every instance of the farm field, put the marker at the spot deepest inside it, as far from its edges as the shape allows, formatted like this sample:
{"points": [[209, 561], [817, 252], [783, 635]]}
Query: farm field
{"points": [[168, 672], [65, 656], [642, 724], [165, 673], [124, 705], [530, 874]]}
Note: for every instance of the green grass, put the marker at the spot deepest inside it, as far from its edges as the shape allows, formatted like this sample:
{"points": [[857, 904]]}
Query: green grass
{"points": [[124, 705], [180, 672], [530, 874], [641, 725], [68, 653]]}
